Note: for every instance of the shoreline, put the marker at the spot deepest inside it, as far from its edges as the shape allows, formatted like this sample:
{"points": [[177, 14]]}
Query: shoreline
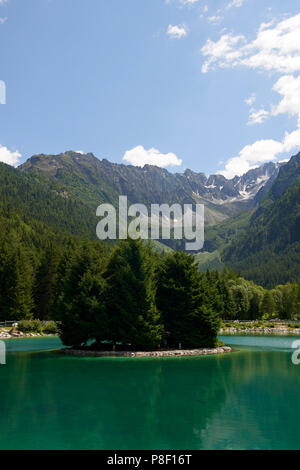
{"points": [[27, 336], [261, 330], [160, 353]]}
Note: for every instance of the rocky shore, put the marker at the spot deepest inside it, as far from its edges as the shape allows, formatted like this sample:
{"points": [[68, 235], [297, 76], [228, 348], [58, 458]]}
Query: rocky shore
{"points": [[262, 330], [19, 334], [161, 353]]}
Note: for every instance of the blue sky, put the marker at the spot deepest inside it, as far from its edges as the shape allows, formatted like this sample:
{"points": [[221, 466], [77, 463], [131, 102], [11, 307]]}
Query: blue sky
{"points": [[152, 81]]}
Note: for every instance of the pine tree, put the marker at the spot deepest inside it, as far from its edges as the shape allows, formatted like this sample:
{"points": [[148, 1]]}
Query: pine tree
{"points": [[229, 311], [208, 308], [69, 254], [80, 305], [189, 303], [16, 278], [256, 298], [46, 283], [177, 279], [130, 297], [268, 304]]}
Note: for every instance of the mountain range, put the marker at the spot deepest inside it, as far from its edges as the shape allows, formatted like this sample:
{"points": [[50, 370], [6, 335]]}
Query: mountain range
{"points": [[95, 181], [252, 221]]}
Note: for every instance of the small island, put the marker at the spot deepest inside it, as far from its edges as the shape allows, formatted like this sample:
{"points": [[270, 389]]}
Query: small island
{"points": [[138, 303]]}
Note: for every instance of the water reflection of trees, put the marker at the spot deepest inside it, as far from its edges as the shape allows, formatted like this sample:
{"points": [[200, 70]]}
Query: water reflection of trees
{"points": [[52, 401]]}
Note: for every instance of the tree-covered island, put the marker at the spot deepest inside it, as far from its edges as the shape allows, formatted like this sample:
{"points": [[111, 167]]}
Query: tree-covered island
{"points": [[139, 300]]}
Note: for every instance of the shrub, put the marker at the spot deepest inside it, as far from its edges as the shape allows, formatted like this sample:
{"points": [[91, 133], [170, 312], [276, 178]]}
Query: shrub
{"points": [[51, 328], [30, 326]]}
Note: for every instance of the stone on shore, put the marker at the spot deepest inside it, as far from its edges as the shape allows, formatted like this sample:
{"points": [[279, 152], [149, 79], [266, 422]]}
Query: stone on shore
{"points": [[160, 353]]}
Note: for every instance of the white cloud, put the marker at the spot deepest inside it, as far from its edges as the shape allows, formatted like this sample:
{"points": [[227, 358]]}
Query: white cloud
{"points": [[222, 52], [81, 152], [251, 100], [261, 151], [176, 31], [219, 16], [275, 48], [188, 2], [139, 156], [184, 2], [215, 19], [250, 156], [11, 158], [2, 20], [291, 141], [289, 87], [258, 116], [235, 4]]}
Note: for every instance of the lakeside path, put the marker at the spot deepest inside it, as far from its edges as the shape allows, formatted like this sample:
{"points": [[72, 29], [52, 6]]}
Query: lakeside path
{"points": [[162, 353]]}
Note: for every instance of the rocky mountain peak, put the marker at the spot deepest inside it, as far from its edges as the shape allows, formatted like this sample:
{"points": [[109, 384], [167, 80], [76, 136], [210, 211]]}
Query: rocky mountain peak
{"points": [[101, 180]]}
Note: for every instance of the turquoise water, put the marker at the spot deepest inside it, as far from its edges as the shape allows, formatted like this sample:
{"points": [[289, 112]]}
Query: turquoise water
{"points": [[249, 399]]}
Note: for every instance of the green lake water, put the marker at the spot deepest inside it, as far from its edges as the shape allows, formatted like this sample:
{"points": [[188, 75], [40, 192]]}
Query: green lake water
{"points": [[249, 399]]}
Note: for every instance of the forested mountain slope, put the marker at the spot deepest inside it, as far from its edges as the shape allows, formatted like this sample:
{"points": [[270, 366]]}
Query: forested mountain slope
{"points": [[269, 250], [26, 201]]}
